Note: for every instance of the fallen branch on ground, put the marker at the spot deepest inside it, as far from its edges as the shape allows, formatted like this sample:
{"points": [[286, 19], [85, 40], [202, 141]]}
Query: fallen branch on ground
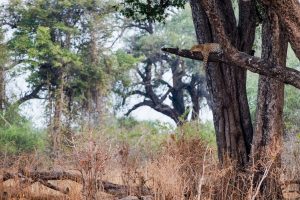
{"points": [[43, 178]]}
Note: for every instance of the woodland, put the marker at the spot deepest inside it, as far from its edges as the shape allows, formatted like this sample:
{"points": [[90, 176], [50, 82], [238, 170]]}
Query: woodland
{"points": [[107, 99]]}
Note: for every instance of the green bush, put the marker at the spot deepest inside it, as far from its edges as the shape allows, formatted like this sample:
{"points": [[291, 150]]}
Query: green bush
{"points": [[149, 135], [205, 131], [17, 139]]}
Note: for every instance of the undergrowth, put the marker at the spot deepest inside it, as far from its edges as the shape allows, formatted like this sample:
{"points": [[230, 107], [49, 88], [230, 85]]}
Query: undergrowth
{"points": [[180, 164]]}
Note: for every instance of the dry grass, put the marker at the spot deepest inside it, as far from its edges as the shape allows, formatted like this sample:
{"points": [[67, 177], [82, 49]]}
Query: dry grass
{"points": [[183, 169]]}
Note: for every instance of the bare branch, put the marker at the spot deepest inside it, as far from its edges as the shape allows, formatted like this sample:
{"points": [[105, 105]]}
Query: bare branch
{"points": [[131, 93], [164, 82], [137, 92], [136, 106], [32, 95], [163, 98]]}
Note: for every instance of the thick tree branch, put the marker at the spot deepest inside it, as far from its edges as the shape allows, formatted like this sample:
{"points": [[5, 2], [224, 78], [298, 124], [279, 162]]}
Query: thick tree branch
{"points": [[162, 108], [247, 24], [32, 95], [241, 59], [289, 14], [213, 57], [252, 63], [163, 97], [136, 106], [131, 93], [137, 92], [164, 83]]}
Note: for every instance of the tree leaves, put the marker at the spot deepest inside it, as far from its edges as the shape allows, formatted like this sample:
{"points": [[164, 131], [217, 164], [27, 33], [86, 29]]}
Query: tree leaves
{"points": [[150, 10]]}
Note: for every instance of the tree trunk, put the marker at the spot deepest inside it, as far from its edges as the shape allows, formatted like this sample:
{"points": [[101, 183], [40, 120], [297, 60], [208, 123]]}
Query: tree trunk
{"points": [[58, 111], [227, 84], [178, 93], [96, 101], [289, 14], [269, 121], [2, 89], [268, 136], [196, 94]]}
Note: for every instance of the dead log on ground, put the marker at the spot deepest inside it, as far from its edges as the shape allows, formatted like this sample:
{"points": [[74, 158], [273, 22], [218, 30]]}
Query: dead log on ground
{"points": [[45, 176]]}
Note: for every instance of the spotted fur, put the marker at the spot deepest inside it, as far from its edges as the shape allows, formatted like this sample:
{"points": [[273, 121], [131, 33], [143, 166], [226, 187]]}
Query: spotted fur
{"points": [[206, 49]]}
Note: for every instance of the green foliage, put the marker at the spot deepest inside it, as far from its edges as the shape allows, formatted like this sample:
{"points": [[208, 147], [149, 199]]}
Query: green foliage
{"points": [[124, 62], [41, 25], [142, 10], [146, 136], [178, 31], [17, 135], [18, 139], [67, 37], [10, 116], [3, 50], [205, 131]]}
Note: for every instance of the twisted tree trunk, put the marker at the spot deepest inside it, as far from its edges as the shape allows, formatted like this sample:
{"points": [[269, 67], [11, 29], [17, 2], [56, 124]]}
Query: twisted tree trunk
{"points": [[227, 84]]}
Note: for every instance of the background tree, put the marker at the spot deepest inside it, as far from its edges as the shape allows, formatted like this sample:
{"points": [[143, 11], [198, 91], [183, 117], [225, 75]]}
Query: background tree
{"points": [[216, 22], [3, 62], [59, 44], [168, 84]]}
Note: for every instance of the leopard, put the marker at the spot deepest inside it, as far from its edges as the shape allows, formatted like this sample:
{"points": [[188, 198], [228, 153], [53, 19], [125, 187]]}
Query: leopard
{"points": [[206, 49]]}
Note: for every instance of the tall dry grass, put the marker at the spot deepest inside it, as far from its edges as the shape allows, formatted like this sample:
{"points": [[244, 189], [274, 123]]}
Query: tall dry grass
{"points": [[184, 168], [189, 169]]}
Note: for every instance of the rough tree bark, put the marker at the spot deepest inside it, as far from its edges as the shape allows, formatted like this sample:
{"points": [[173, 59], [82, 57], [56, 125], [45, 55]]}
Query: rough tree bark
{"points": [[272, 65], [268, 136], [269, 121], [227, 84], [288, 12]]}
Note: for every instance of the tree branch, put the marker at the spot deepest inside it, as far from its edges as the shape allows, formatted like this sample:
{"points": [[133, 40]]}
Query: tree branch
{"points": [[134, 92], [213, 57], [289, 14], [162, 108], [32, 95], [241, 59], [136, 106], [164, 83]]}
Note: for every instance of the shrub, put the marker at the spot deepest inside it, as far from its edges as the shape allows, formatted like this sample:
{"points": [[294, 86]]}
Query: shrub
{"points": [[17, 139]]}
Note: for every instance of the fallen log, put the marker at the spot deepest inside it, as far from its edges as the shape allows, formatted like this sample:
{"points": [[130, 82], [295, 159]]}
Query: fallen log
{"points": [[43, 177]]}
